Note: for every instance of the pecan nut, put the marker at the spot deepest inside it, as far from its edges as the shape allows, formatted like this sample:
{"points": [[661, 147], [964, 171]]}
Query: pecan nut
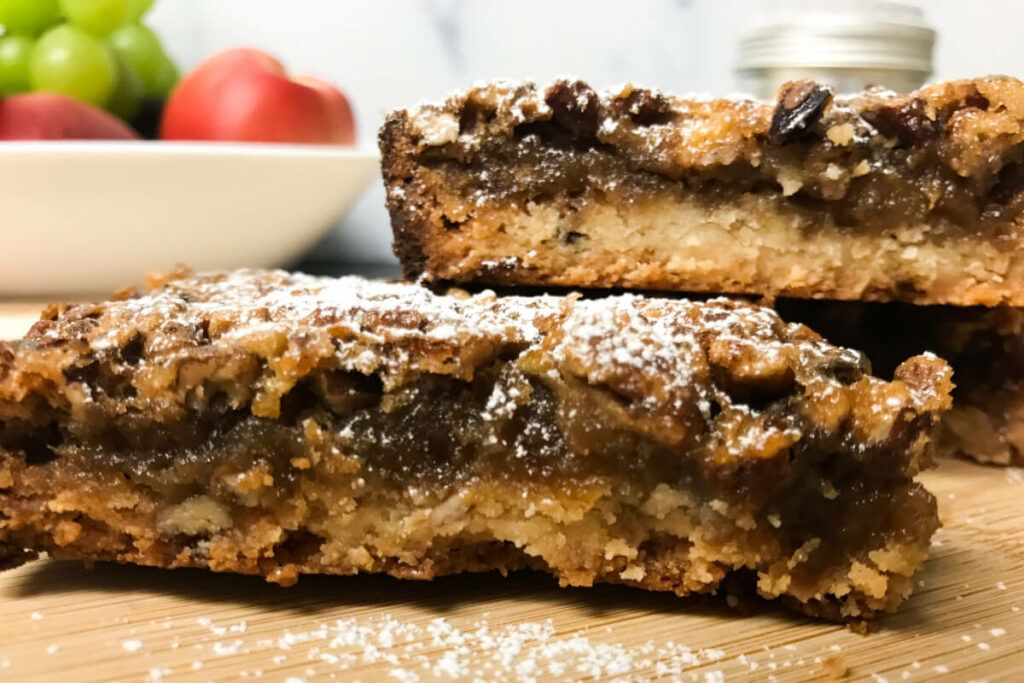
{"points": [[800, 105]]}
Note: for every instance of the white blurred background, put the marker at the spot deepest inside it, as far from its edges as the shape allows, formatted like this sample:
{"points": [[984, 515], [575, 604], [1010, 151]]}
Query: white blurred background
{"points": [[391, 53]]}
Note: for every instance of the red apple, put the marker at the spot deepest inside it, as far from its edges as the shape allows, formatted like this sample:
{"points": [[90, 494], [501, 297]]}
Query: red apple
{"points": [[48, 116], [247, 96]]}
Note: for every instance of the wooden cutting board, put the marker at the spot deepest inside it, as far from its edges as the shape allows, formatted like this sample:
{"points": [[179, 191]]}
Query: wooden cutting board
{"points": [[59, 621]]}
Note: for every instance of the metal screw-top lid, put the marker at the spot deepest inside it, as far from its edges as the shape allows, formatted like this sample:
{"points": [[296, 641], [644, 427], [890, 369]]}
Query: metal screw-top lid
{"points": [[834, 34]]}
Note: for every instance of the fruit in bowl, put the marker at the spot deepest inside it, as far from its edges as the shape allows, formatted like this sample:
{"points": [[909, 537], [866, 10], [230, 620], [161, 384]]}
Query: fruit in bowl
{"points": [[100, 53], [28, 17], [15, 53], [245, 95], [69, 61], [49, 116], [95, 51], [140, 48]]}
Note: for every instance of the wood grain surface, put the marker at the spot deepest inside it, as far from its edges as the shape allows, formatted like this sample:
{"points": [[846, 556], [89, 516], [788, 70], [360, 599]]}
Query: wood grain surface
{"points": [[60, 621]]}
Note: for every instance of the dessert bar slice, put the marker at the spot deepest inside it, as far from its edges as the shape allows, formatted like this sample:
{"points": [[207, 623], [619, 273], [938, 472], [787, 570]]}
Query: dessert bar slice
{"points": [[873, 196], [276, 424], [985, 347]]}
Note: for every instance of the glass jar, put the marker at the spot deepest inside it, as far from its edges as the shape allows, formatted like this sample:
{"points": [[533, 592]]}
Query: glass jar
{"points": [[849, 44]]}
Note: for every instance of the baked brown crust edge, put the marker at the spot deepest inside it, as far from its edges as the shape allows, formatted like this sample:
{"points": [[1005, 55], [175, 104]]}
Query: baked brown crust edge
{"points": [[407, 224]]}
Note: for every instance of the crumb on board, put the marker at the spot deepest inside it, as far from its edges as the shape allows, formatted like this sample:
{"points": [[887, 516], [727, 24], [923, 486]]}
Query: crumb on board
{"points": [[834, 667]]}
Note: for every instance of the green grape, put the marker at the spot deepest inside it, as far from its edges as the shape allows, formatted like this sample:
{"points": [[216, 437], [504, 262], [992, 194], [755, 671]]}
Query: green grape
{"points": [[141, 48], [166, 79], [138, 8], [28, 16], [126, 100], [98, 17], [68, 60], [15, 52]]}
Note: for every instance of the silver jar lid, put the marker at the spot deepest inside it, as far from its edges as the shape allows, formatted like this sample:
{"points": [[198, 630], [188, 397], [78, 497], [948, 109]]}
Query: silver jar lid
{"points": [[834, 34]]}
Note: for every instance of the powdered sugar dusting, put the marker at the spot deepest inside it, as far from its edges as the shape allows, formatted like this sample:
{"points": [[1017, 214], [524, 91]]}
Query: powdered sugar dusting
{"points": [[479, 650], [652, 346], [282, 298], [666, 357], [373, 323]]}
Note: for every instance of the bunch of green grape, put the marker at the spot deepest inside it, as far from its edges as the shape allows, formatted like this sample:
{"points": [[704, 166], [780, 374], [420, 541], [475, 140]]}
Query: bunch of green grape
{"points": [[97, 51]]}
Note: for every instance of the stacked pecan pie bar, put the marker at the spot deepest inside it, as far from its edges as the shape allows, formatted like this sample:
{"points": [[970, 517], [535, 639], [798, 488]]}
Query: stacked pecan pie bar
{"points": [[276, 424], [279, 425], [873, 197]]}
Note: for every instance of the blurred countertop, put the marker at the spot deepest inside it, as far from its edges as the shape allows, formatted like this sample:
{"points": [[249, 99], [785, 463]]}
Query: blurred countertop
{"points": [[16, 316]]}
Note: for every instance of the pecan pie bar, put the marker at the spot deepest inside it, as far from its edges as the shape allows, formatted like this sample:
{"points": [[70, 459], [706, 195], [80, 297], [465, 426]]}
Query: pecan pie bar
{"points": [[874, 196], [985, 347], [276, 424]]}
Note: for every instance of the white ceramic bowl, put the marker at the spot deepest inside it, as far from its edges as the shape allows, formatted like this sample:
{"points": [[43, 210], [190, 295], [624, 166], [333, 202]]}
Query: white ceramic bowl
{"points": [[81, 217]]}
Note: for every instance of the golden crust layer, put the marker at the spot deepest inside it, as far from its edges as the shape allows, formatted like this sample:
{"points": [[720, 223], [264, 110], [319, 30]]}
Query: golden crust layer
{"points": [[508, 183], [279, 424]]}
